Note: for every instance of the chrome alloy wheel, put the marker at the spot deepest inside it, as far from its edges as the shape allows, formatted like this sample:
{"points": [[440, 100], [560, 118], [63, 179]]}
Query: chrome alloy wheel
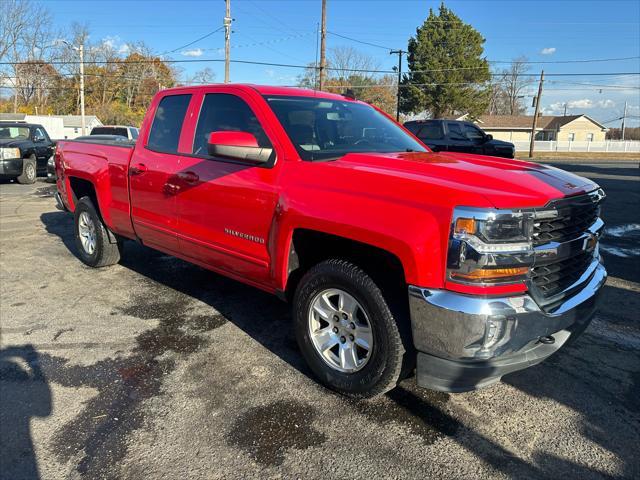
{"points": [[340, 330], [87, 232], [30, 171]]}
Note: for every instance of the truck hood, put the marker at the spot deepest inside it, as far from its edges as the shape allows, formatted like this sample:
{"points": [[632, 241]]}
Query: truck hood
{"points": [[504, 183]]}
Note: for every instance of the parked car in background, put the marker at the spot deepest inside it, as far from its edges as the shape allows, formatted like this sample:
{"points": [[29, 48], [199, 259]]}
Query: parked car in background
{"points": [[394, 257], [458, 136], [24, 151], [121, 130]]}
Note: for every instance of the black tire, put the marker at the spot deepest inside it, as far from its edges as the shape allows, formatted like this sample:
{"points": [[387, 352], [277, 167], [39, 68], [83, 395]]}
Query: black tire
{"points": [[104, 253], [29, 171], [383, 369]]}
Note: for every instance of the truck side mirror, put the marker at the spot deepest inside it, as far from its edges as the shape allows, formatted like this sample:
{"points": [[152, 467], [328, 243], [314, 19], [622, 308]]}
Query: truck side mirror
{"points": [[488, 137], [236, 145]]}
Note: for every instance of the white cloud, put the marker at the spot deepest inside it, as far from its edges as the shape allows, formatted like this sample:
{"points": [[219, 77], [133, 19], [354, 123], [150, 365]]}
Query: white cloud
{"points": [[111, 41], [606, 103], [269, 72], [196, 52], [548, 51], [582, 103], [124, 49]]}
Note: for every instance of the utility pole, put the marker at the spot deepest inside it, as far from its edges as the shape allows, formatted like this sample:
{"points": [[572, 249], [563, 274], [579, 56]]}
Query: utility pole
{"points": [[535, 114], [323, 44], [227, 40], [399, 53], [82, 122], [624, 117], [565, 109]]}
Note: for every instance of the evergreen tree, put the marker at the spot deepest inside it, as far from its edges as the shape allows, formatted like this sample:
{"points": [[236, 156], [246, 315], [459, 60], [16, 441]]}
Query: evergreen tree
{"points": [[447, 71]]}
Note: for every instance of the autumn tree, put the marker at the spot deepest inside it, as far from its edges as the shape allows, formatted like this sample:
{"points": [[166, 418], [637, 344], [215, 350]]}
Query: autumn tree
{"points": [[447, 70]]}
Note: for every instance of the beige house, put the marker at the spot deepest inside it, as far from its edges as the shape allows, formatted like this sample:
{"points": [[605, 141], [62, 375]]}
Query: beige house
{"points": [[575, 128]]}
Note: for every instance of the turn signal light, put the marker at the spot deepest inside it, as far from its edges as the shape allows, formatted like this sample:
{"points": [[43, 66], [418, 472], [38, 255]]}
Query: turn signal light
{"points": [[485, 275], [465, 225]]}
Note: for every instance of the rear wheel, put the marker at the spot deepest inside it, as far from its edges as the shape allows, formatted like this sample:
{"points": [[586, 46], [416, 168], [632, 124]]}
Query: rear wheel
{"points": [[29, 171], [346, 330], [92, 238]]}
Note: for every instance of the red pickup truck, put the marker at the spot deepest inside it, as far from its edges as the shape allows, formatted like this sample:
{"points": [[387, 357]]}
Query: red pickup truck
{"points": [[461, 267]]}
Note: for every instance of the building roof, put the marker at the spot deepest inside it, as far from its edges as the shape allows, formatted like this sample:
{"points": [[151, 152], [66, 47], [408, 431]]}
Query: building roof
{"points": [[12, 117], [67, 120], [524, 122], [76, 120]]}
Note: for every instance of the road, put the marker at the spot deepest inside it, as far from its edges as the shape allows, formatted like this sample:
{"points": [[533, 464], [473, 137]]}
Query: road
{"points": [[155, 368]]}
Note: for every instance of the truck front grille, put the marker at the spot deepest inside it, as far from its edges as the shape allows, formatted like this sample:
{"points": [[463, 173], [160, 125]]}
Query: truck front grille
{"points": [[563, 221], [571, 222], [556, 277]]}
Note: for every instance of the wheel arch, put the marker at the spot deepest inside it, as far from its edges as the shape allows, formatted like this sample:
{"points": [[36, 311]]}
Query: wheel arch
{"points": [[308, 247]]}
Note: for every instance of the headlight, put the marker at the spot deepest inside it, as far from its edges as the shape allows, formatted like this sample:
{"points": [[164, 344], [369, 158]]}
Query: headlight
{"points": [[7, 153], [489, 246]]}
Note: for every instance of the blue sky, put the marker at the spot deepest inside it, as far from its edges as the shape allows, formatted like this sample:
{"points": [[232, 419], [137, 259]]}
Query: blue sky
{"points": [[285, 32]]}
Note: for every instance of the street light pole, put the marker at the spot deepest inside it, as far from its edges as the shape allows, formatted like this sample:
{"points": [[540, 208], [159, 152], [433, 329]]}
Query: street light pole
{"points": [[82, 121], [80, 50]]}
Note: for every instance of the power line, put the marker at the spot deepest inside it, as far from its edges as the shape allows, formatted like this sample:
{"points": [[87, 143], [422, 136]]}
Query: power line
{"points": [[360, 41], [191, 43], [288, 65]]}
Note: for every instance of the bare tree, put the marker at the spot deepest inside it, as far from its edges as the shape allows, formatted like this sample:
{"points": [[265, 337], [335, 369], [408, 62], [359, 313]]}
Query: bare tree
{"points": [[514, 83], [24, 36], [345, 61], [202, 77]]}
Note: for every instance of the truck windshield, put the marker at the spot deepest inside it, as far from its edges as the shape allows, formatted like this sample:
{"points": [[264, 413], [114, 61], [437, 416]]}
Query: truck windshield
{"points": [[14, 133], [323, 129]]}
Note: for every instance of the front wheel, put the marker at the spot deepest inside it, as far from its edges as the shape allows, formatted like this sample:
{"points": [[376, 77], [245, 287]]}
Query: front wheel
{"points": [[29, 171], [92, 239], [346, 331]]}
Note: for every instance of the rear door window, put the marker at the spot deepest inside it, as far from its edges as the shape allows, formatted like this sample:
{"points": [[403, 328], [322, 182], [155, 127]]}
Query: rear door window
{"points": [[167, 123], [431, 131]]}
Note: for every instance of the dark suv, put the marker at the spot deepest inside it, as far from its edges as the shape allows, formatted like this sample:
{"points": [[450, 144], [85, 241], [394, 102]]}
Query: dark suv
{"points": [[24, 151], [457, 136]]}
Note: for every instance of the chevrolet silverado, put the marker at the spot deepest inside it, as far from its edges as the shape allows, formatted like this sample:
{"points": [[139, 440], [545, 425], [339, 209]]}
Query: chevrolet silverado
{"points": [[460, 267]]}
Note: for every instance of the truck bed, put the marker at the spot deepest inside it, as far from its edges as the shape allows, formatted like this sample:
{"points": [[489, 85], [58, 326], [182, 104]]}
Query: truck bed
{"points": [[105, 162]]}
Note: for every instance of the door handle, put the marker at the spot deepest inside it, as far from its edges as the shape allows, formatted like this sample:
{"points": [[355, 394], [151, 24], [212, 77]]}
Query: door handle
{"points": [[188, 177], [170, 189], [137, 169]]}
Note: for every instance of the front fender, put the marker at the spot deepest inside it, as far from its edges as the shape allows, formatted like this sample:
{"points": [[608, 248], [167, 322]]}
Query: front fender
{"points": [[413, 235]]}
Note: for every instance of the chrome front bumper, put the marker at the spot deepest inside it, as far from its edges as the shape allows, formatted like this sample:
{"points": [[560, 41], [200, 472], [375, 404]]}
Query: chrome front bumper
{"points": [[466, 342]]}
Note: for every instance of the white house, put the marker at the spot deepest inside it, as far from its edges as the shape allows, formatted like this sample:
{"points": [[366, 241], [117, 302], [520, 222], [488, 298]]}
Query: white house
{"points": [[73, 124], [57, 126]]}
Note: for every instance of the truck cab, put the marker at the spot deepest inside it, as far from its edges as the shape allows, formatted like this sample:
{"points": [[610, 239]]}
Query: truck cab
{"points": [[457, 136]]}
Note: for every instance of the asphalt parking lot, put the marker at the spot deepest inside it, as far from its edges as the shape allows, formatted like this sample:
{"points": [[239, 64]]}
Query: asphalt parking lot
{"points": [[155, 368]]}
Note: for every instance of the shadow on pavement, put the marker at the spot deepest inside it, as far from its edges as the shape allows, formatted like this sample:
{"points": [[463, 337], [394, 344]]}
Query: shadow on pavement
{"points": [[24, 394]]}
